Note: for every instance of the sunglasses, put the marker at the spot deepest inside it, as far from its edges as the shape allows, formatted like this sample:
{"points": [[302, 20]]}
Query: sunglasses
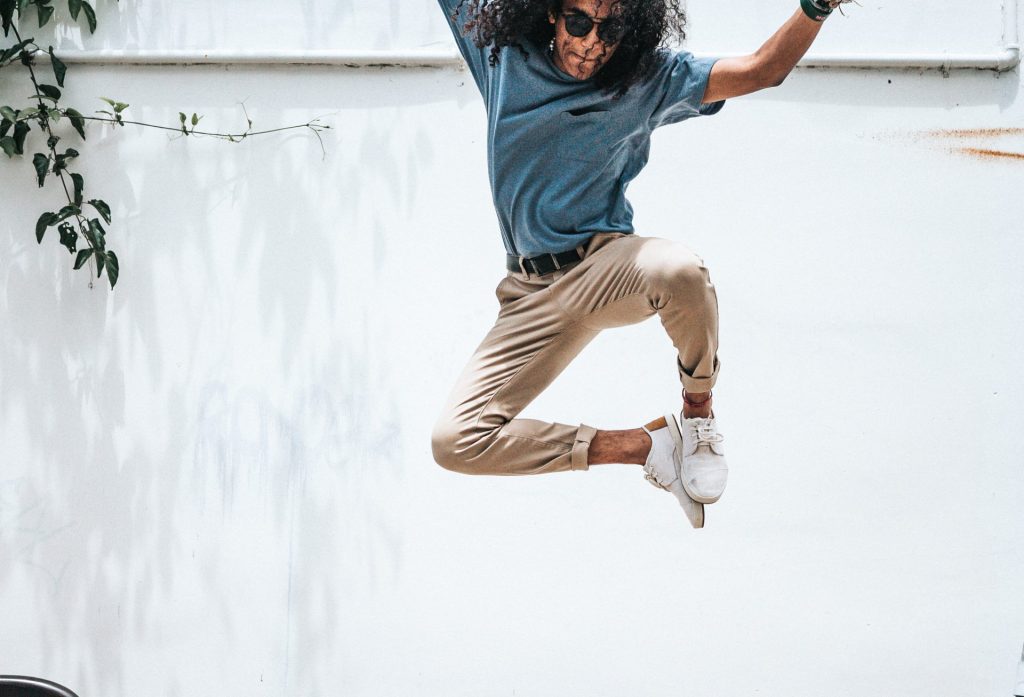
{"points": [[579, 24]]}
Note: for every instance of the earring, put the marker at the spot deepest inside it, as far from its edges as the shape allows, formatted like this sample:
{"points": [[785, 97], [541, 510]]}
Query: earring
{"points": [[551, 46]]}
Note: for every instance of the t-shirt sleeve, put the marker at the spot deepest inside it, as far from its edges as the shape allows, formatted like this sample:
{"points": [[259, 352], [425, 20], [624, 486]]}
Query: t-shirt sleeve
{"points": [[476, 58], [678, 87]]}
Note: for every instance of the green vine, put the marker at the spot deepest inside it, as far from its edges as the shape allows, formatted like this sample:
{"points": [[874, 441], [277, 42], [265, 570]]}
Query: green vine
{"points": [[72, 221]]}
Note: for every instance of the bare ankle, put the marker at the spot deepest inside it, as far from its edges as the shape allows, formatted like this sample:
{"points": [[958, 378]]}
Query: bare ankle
{"points": [[628, 447], [696, 405]]}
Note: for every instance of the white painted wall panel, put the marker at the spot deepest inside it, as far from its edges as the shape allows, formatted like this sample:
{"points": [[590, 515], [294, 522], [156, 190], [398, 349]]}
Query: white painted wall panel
{"points": [[876, 26], [252, 24], [217, 477], [962, 26]]}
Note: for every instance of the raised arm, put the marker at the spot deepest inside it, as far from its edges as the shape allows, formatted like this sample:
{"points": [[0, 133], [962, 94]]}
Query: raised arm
{"points": [[476, 57], [770, 64]]}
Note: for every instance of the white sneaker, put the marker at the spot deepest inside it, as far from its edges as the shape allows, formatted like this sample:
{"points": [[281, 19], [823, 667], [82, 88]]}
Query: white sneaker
{"points": [[662, 468], [704, 471]]}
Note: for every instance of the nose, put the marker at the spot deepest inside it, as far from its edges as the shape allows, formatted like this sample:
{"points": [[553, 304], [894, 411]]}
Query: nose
{"points": [[591, 39]]}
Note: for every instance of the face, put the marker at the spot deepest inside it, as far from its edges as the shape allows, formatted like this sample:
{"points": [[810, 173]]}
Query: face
{"points": [[583, 56]]}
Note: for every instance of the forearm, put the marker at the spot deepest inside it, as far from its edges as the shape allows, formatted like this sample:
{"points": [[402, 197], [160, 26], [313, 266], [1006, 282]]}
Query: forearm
{"points": [[780, 54]]}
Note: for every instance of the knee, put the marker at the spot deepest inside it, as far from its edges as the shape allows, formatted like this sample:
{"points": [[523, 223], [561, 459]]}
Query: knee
{"points": [[677, 271], [448, 446]]}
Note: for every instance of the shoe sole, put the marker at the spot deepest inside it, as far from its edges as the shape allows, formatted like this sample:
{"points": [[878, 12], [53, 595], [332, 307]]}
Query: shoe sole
{"points": [[698, 527], [676, 488], [677, 438]]}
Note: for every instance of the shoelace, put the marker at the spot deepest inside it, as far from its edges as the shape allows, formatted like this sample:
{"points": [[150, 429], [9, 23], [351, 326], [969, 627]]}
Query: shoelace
{"points": [[705, 432], [649, 476], [653, 480]]}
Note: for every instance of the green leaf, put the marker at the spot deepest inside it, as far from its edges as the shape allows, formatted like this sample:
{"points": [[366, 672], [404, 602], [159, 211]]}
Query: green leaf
{"points": [[79, 185], [7, 13], [77, 120], [90, 16], [7, 144], [20, 131], [29, 113], [5, 125], [118, 106], [195, 120], [59, 69], [45, 221], [113, 268], [97, 234], [42, 163], [182, 116], [102, 207], [74, 6], [50, 91], [13, 50], [8, 113], [43, 96], [66, 212], [70, 153], [23, 5], [83, 256], [55, 115], [100, 258], [45, 13], [68, 236]]}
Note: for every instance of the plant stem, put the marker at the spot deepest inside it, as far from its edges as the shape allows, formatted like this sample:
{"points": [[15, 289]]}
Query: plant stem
{"points": [[44, 119], [311, 124]]}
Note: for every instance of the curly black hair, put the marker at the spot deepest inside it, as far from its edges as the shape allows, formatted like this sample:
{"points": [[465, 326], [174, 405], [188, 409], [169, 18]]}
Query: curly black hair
{"points": [[650, 25]]}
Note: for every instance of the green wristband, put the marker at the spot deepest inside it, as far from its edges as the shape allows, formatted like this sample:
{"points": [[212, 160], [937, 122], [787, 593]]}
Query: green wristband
{"points": [[813, 11]]}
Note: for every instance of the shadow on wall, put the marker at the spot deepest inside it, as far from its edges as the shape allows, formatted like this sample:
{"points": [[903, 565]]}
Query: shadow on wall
{"points": [[236, 362]]}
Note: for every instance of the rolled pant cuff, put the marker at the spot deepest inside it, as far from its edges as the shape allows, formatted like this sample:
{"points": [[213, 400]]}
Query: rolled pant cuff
{"points": [[692, 384], [581, 447]]}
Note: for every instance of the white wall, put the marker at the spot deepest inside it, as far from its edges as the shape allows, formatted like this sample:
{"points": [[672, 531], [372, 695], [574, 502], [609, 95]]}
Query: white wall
{"points": [[873, 26], [217, 478]]}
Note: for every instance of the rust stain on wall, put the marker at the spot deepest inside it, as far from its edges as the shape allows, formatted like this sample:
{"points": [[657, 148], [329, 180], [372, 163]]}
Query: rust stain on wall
{"points": [[986, 154], [976, 132]]}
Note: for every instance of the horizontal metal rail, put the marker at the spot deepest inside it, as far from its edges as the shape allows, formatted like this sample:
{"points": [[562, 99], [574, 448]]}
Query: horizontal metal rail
{"points": [[1005, 60]]}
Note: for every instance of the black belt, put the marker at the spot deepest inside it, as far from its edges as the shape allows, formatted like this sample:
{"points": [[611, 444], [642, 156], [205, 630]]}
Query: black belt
{"points": [[545, 263]]}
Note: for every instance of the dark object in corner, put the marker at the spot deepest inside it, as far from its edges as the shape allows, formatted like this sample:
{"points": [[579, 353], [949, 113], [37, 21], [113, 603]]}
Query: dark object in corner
{"points": [[24, 686]]}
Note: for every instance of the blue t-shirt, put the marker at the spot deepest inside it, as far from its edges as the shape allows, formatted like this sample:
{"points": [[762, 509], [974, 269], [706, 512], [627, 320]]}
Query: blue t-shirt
{"points": [[560, 150]]}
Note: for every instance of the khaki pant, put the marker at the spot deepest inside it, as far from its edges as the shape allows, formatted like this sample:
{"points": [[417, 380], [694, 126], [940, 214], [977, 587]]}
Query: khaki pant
{"points": [[544, 322]]}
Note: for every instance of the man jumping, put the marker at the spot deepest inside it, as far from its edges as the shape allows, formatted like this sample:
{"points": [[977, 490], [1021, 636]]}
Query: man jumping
{"points": [[573, 90]]}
